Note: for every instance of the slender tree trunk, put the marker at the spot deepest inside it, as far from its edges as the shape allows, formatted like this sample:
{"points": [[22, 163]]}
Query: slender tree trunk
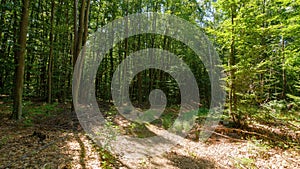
{"points": [[139, 80], [82, 36], [80, 29], [30, 58], [20, 60], [265, 55], [284, 81], [86, 22], [231, 63], [15, 38], [50, 64], [75, 32], [2, 20], [84, 39], [152, 46], [75, 42], [125, 48], [43, 63], [111, 52]]}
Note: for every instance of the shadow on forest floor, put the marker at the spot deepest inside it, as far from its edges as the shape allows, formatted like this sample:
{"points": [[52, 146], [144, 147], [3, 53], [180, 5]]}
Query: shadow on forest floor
{"points": [[55, 139], [48, 140], [185, 162]]}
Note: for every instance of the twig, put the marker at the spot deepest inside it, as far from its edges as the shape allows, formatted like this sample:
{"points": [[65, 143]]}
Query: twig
{"points": [[222, 135], [258, 134]]}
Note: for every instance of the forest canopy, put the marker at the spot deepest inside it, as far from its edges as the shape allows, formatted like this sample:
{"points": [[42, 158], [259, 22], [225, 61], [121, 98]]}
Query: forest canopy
{"points": [[257, 41]]}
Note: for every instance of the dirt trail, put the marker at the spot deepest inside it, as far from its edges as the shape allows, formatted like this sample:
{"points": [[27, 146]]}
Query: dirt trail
{"points": [[61, 143], [221, 154]]}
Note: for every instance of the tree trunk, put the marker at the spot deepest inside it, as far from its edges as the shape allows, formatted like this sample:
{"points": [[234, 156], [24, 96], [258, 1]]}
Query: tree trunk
{"points": [[284, 81], [80, 29], [50, 64], [86, 22], [140, 80], [20, 60], [84, 39], [80, 40], [2, 20], [231, 63], [75, 32]]}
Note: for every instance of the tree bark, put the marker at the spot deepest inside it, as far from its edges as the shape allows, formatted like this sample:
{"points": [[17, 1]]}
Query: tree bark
{"points": [[80, 29], [20, 60], [284, 80], [50, 64], [231, 63], [75, 32], [79, 42], [86, 22], [2, 20]]}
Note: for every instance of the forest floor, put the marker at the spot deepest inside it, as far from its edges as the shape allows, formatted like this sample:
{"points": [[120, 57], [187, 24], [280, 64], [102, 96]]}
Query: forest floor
{"points": [[56, 140]]}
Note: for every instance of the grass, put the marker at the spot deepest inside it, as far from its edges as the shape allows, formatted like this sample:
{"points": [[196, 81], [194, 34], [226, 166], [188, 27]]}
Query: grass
{"points": [[33, 111], [245, 163]]}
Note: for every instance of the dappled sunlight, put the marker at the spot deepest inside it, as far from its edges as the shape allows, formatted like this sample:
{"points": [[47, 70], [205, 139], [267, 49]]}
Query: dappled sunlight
{"points": [[175, 84], [80, 148]]}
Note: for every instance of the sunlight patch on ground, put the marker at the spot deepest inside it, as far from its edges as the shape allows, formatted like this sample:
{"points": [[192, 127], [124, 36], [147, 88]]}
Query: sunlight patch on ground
{"points": [[82, 152]]}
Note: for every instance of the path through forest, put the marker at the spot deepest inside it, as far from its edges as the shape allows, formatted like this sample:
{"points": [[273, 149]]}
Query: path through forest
{"points": [[59, 142]]}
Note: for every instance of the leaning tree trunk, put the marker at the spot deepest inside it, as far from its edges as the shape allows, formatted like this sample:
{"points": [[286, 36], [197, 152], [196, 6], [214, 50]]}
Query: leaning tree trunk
{"points": [[20, 60]]}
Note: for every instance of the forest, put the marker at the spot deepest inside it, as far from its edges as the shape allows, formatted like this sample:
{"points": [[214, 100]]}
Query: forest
{"points": [[42, 47]]}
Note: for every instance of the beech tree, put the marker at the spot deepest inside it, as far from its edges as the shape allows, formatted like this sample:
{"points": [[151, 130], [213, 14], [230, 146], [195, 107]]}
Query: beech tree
{"points": [[20, 61], [258, 42]]}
